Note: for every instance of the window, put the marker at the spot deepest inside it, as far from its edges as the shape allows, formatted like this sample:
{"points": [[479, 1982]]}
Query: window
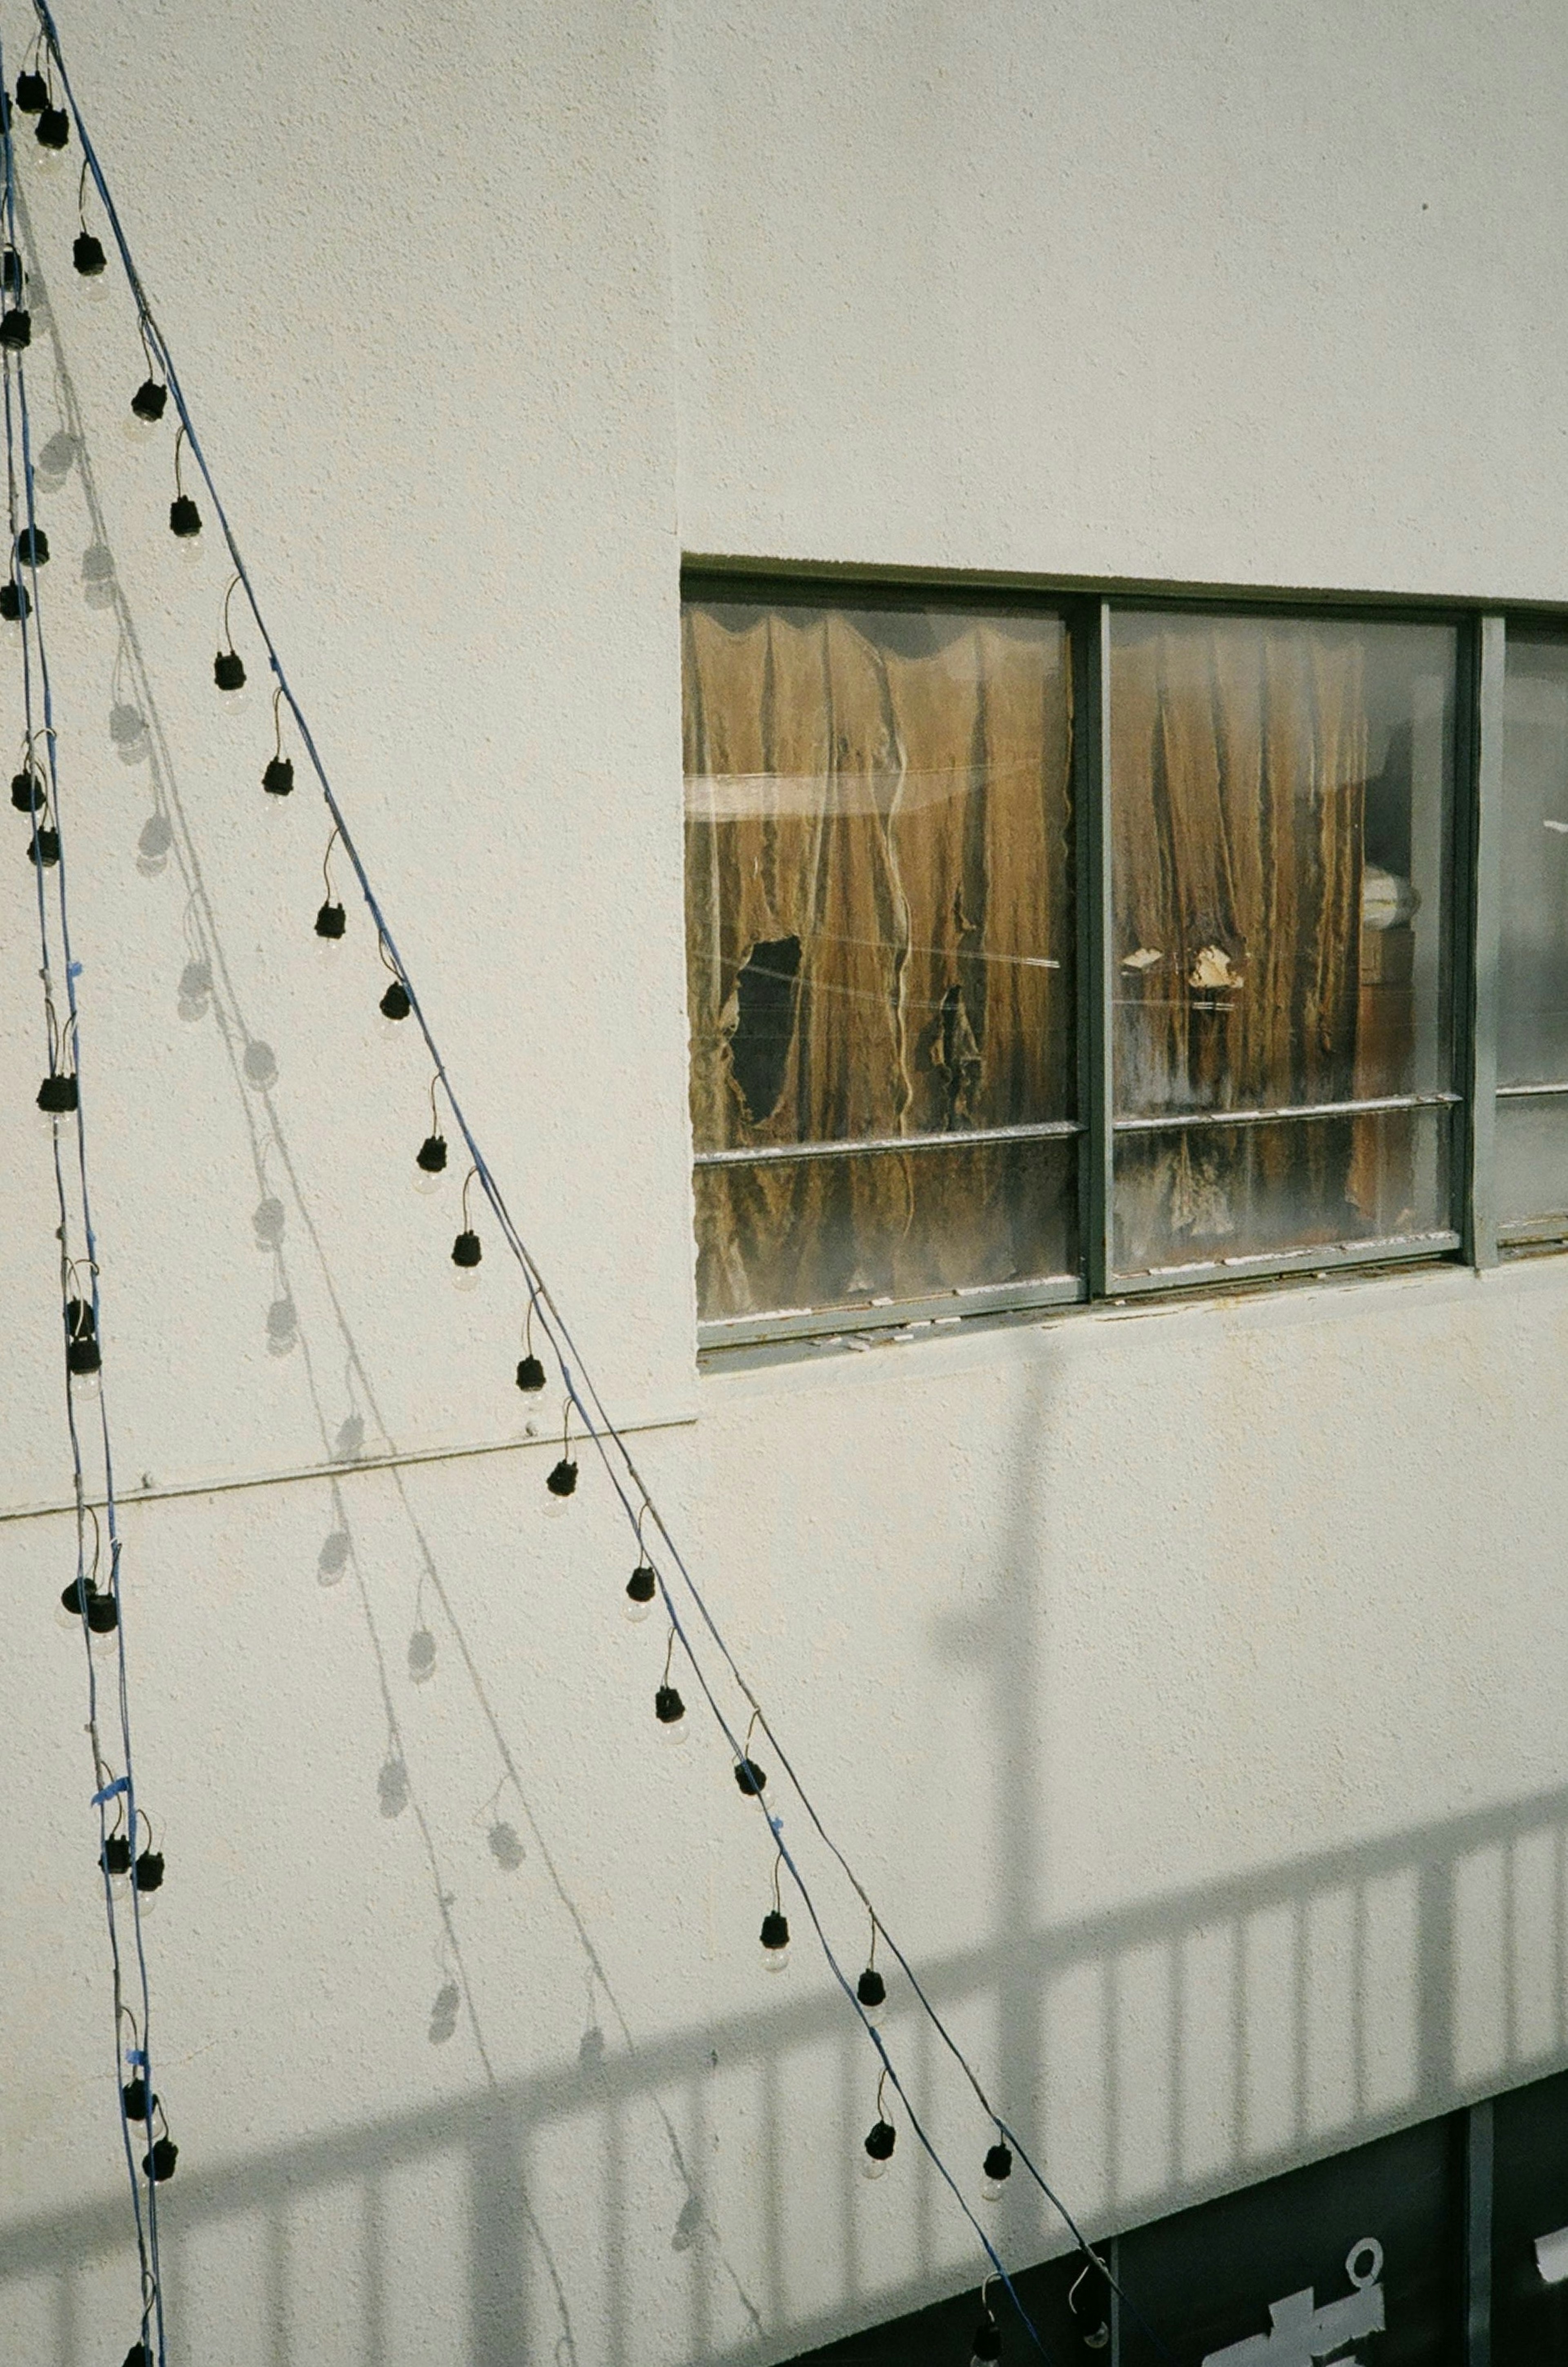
{"points": [[1281, 797], [1051, 948], [880, 953], [1532, 952]]}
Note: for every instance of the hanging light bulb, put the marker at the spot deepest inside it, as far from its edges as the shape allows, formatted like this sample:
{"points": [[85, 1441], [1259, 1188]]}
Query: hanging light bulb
{"points": [[159, 2164], [998, 2170], [988, 2343], [880, 2140], [15, 329], [26, 792], [330, 921], [114, 1857], [467, 1251], [57, 1096], [14, 603], [395, 1003], [563, 1480], [671, 1711], [139, 2102], [430, 1163], [278, 778], [775, 1937], [185, 518], [872, 1991], [53, 129], [147, 1878], [87, 254], [148, 405], [530, 1375], [43, 848], [32, 91], [32, 547], [229, 672], [751, 1778], [642, 1588]]}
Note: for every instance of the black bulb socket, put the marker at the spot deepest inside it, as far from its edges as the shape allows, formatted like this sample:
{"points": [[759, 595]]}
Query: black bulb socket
{"points": [[26, 792], [57, 1096], [998, 2164], [988, 2344], [330, 921], [871, 1989], [881, 2140], [751, 1778], [775, 1931], [14, 603], [53, 129], [139, 2355], [148, 1874], [185, 518], [87, 254], [114, 1857], [642, 1585], [82, 1600], [278, 778], [44, 849], [562, 1480], [150, 400], [159, 2165], [229, 670], [139, 2102], [83, 1356], [466, 1249], [395, 1002], [668, 1706], [13, 278], [32, 92], [530, 1374], [15, 329], [32, 547], [79, 1317], [432, 1156]]}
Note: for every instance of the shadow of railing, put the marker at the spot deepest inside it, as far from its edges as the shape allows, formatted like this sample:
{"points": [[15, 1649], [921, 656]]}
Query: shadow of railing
{"points": [[1476, 1905]]}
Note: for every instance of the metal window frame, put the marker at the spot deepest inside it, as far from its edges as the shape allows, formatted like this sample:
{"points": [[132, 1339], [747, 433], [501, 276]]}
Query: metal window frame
{"points": [[1470, 953]]}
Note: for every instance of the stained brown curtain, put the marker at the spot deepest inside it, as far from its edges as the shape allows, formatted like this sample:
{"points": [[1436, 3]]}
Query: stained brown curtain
{"points": [[878, 944], [1238, 771]]}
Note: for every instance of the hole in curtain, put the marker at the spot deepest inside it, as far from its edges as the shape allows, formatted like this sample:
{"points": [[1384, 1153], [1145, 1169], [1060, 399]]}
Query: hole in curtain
{"points": [[764, 1024]]}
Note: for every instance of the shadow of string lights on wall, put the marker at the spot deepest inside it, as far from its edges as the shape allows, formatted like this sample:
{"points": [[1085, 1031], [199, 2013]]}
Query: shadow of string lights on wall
{"points": [[207, 990]]}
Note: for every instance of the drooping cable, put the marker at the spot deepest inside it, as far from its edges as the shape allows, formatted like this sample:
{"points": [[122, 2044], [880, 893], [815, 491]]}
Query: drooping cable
{"points": [[614, 1453], [79, 1289]]}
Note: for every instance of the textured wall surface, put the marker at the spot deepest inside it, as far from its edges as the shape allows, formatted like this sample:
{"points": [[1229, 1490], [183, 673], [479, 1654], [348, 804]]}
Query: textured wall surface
{"points": [[1187, 1683]]}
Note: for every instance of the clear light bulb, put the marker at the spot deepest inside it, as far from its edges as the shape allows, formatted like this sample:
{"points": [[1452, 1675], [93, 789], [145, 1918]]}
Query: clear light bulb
{"points": [[87, 1385], [633, 1611], [424, 1183], [236, 702], [555, 1508], [676, 1733], [775, 1960], [992, 2190], [869, 2167], [465, 1278]]}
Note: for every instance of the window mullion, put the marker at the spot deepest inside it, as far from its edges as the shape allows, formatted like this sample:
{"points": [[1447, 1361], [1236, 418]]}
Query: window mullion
{"points": [[1095, 976], [1485, 906]]}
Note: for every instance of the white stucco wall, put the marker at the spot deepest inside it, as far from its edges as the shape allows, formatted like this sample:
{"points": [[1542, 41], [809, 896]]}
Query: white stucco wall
{"points": [[1186, 1682]]}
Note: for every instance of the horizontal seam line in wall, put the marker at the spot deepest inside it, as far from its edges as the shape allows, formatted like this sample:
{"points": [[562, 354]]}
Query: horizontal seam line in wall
{"points": [[394, 1461]]}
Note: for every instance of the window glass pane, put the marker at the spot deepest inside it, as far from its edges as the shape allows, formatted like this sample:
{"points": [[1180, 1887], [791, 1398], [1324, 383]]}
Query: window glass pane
{"points": [[1532, 968], [1281, 794], [1530, 1168], [781, 1234], [1204, 1195], [879, 939]]}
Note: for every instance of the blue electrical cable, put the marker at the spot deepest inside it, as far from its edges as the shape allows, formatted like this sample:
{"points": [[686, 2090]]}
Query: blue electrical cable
{"points": [[63, 1046], [579, 1383]]}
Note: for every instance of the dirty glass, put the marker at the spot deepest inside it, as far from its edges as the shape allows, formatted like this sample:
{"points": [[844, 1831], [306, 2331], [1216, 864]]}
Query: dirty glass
{"points": [[879, 948], [1281, 794]]}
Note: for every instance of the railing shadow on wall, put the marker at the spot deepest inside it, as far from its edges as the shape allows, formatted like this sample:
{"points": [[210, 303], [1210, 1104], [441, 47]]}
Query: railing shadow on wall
{"points": [[1463, 1879]]}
